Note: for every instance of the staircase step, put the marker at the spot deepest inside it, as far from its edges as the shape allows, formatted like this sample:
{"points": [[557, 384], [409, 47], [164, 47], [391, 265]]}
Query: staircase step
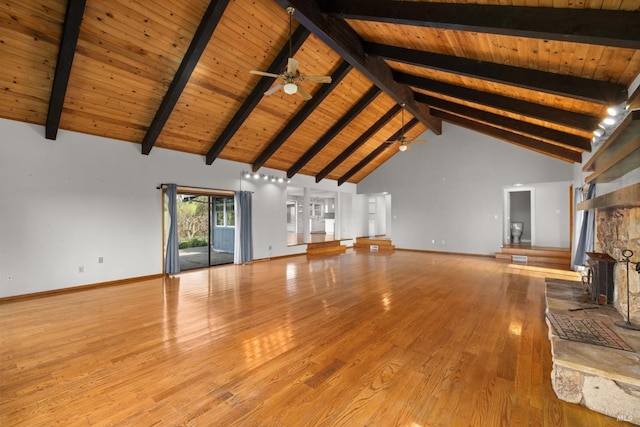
{"points": [[380, 244], [325, 248], [536, 255], [534, 251], [533, 259]]}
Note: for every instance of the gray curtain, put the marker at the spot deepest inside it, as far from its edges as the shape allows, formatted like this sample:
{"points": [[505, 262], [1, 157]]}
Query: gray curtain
{"points": [[172, 257], [585, 239], [243, 252]]}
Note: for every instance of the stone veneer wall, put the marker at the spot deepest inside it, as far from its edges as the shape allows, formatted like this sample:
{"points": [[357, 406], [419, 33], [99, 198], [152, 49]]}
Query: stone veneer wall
{"points": [[616, 230]]}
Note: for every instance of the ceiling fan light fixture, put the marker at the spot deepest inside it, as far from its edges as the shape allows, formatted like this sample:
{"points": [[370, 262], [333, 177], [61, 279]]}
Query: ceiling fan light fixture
{"points": [[290, 88], [403, 147]]}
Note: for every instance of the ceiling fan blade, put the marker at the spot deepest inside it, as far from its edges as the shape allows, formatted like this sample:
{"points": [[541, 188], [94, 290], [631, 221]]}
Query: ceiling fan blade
{"points": [[274, 89], [303, 93], [292, 66], [418, 141], [315, 79], [262, 73]]}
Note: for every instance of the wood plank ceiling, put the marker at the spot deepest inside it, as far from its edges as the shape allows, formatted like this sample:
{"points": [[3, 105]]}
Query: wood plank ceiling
{"points": [[535, 73]]}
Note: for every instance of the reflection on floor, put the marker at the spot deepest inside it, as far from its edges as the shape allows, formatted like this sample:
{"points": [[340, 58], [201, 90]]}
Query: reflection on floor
{"points": [[294, 239], [191, 258]]}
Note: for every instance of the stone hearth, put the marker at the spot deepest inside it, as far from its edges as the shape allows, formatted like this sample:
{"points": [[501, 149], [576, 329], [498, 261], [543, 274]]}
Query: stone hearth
{"points": [[603, 379]]}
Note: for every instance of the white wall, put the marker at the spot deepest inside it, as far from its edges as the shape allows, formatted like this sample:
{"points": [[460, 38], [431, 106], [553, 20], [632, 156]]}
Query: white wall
{"points": [[65, 203], [552, 214], [450, 191]]}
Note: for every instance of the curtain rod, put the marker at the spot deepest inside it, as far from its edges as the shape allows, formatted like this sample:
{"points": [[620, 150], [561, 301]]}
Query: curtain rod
{"points": [[195, 188]]}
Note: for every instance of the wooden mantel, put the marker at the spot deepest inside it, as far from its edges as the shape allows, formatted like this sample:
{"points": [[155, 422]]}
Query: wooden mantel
{"points": [[627, 197], [619, 155]]}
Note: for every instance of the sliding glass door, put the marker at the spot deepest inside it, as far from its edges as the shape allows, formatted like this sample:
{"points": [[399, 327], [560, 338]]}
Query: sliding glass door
{"points": [[206, 227], [223, 230]]}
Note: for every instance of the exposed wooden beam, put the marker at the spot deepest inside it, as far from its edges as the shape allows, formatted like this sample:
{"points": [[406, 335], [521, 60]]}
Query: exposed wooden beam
{"points": [[340, 37], [276, 67], [570, 119], [201, 38], [557, 84], [309, 106], [335, 129], [556, 137], [593, 26], [375, 153], [359, 142], [542, 147], [68, 43]]}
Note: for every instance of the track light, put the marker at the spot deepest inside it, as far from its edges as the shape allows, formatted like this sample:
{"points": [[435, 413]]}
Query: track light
{"points": [[614, 110], [262, 176], [598, 132]]}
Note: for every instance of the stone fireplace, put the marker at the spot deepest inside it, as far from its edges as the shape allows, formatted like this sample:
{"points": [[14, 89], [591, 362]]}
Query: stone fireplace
{"points": [[606, 380], [617, 230]]}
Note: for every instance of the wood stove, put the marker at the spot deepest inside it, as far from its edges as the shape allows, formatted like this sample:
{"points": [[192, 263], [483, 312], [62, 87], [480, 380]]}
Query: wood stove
{"points": [[600, 281]]}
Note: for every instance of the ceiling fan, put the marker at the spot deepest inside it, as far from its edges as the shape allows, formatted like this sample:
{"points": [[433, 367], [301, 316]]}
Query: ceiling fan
{"points": [[291, 76], [404, 141]]}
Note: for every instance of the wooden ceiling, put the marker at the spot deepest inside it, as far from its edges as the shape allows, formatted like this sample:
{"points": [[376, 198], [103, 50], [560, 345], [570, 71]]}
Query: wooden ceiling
{"points": [[536, 73]]}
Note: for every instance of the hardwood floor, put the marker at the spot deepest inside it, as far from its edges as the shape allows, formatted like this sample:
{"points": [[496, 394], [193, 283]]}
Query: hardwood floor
{"points": [[404, 338]]}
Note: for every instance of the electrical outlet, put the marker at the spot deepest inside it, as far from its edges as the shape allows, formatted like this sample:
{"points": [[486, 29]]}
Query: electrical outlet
{"points": [[100, 260], [81, 269]]}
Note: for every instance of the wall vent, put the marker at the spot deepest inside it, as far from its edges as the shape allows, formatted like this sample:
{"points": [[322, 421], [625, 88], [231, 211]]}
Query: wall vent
{"points": [[519, 258]]}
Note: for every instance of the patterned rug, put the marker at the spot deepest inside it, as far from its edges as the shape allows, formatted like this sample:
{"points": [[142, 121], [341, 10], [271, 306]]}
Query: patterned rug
{"points": [[588, 331]]}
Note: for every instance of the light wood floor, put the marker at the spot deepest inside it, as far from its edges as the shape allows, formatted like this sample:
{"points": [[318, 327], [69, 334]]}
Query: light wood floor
{"points": [[411, 339]]}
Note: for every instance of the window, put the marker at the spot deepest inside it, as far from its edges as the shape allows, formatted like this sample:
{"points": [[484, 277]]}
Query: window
{"points": [[230, 214], [224, 211]]}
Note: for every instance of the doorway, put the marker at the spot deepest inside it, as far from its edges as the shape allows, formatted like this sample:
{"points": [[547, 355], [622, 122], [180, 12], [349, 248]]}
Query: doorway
{"points": [[206, 230], [519, 206]]}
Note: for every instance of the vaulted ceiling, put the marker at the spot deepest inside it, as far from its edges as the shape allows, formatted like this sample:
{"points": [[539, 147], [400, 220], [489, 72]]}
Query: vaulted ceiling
{"points": [[534, 73]]}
